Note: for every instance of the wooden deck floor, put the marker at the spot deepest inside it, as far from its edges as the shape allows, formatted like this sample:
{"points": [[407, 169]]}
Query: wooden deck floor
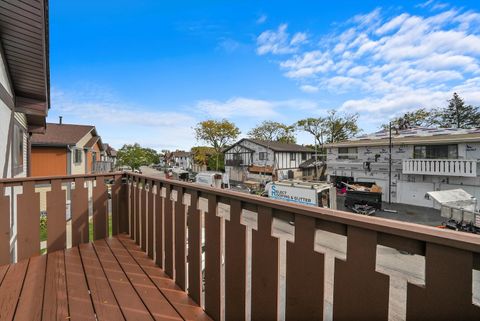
{"points": [[111, 279]]}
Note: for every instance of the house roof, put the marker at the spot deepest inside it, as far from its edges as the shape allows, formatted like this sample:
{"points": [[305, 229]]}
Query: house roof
{"points": [[273, 145], [61, 135], [109, 150], [94, 140], [417, 135], [311, 163], [181, 153], [25, 43]]}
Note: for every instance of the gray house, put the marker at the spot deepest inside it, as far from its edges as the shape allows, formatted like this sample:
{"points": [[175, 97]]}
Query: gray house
{"points": [[251, 159]]}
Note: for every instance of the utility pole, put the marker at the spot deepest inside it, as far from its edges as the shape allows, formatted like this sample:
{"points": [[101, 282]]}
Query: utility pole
{"points": [[390, 166]]}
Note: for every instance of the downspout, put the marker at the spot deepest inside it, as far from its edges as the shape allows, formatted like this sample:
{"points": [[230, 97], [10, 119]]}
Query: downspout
{"points": [[69, 160]]}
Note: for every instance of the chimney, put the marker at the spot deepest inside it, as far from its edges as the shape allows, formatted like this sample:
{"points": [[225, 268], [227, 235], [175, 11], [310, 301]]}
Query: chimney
{"points": [[60, 120]]}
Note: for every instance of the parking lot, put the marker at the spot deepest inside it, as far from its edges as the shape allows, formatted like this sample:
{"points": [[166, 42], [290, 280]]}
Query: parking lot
{"points": [[403, 212]]}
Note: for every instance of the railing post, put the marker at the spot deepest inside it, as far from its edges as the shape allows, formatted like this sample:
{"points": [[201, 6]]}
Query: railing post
{"points": [[265, 263], [235, 264], [4, 227], [212, 259], [180, 239], [150, 220], [28, 222], [194, 248], [56, 218], [79, 208], [123, 205], [304, 288], [159, 225]]}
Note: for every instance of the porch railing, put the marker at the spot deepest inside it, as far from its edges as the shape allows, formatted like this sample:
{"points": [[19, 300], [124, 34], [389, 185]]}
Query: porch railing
{"points": [[266, 260], [52, 213], [446, 167], [246, 257]]}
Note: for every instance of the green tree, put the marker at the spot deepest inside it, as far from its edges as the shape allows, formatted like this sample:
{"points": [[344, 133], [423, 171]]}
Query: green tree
{"points": [[134, 156], [317, 127], [219, 134], [416, 118], [273, 131], [340, 127], [457, 114], [202, 154], [217, 161]]}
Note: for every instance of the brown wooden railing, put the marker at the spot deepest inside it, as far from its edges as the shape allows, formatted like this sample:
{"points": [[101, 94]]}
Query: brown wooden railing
{"points": [[72, 205], [246, 257], [267, 260]]}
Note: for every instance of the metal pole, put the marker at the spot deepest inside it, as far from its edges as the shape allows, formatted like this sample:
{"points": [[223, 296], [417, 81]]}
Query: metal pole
{"points": [[390, 166]]}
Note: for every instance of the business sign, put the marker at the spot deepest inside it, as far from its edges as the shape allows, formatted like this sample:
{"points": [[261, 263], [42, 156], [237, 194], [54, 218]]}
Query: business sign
{"points": [[292, 194]]}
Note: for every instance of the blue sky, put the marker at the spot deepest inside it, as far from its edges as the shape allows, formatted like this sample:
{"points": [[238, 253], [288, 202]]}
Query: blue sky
{"points": [[148, 71]]}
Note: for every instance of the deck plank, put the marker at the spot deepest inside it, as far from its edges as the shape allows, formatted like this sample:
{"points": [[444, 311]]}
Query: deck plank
{"points": [[3, 271], [132, 306], [107, 280], [104, 301], [31, 299], [55, 306], [11, 288], [79, 301], [187, 308], [156, 302]]}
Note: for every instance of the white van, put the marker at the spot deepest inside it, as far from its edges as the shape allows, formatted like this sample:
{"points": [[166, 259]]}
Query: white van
{"points": [[213, 179]]}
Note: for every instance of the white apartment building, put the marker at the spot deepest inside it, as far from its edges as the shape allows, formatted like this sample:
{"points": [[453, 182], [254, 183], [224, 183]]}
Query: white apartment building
{"points": [[423, 160]]}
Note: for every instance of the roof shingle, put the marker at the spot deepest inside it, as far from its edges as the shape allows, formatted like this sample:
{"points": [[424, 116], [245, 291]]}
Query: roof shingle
{"points": [[61, 135]]}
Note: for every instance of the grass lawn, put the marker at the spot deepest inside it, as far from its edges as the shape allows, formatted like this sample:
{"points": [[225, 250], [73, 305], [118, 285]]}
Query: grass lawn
{"points": [[43, 230]]}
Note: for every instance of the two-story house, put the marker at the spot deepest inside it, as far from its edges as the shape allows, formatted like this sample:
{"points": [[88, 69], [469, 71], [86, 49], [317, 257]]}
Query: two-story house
{"points": [[66, 149], [423, 160], [252, 159], [182, 159]]}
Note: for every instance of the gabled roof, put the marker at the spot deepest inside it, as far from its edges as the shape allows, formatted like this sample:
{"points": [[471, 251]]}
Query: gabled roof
{"points": [[273, 145], [181, 153], [416, 135], [109, 150], [25, 43], [94, 140], [62, 135]]}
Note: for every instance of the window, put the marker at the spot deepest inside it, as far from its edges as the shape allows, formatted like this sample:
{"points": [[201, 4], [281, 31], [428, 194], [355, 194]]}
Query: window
{"points": [[304, 156], [347, 153], [237, 156], [292, 156], [77, 156], [18, 149], [435, 151], [262, 156]]}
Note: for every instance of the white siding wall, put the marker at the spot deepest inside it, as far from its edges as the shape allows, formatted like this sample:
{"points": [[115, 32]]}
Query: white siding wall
{"points": [[407, 189], [5, 118], [79, 168], [22, 120]]}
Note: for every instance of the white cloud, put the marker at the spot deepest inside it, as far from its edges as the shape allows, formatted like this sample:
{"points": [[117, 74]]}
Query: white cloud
{"points": [[262, 19], [384, 62], [250, 108], [309, 89], [298, 38], [278, 41], [121, 123]]}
